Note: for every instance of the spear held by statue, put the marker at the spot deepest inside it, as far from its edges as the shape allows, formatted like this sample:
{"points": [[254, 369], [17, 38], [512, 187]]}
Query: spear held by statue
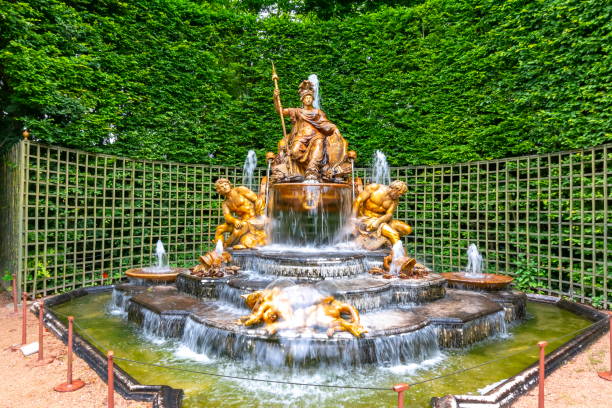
{"points": [[280, 111]]}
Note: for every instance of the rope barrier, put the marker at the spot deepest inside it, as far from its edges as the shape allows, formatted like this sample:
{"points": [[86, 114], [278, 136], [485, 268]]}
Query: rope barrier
{"points": [[251, 378], [83, 333]]}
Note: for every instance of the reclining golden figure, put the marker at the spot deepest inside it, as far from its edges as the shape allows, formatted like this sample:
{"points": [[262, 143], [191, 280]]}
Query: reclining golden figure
{"points": [[274, 307]]}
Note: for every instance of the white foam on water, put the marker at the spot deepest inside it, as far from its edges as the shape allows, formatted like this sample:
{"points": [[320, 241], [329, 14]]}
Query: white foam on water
{"points": [[186, 353], [413, 368]]}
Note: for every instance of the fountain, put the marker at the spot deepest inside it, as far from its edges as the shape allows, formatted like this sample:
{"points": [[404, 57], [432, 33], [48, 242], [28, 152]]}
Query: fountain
{"points": [[381, 173], [161, 272], [248, 169], [311, 269], [473, 276], [309, 282]]}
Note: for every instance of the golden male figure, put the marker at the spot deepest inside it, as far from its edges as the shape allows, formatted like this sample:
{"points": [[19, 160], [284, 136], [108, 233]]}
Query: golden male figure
{"points": [[374, 208], [241, 209]]}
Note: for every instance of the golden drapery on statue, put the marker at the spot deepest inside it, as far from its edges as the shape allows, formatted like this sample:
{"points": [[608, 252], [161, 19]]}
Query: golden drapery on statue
{"points": [[314, 149]]}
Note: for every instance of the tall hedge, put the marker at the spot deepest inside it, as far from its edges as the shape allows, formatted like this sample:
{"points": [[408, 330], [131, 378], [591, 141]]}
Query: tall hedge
{"points": [[439, 81]]}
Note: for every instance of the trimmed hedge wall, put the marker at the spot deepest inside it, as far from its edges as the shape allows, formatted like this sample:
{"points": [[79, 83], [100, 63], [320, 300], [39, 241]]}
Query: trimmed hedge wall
{"points": [[441, 81]]}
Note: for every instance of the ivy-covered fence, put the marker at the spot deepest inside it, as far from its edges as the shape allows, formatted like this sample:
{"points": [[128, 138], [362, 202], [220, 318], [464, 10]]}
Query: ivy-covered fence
{"points": [[72, 218]]}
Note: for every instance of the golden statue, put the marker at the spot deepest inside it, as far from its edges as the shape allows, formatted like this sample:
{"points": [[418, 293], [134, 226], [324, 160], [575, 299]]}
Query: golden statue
{"points": [[274, 308], [373, 209], [215, 264], [242, 210], [404, 267], [314, 149]]}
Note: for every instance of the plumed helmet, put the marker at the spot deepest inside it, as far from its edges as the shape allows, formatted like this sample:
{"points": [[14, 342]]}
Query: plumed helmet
{"points": [[306, 88]]}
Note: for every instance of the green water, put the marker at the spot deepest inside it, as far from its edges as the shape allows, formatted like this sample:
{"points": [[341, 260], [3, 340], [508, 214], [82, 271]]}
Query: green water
{"points": [[546, 322]]}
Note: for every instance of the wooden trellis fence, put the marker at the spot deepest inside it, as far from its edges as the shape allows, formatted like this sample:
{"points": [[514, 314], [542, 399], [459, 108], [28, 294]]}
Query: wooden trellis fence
{"points": [[71, 218]]}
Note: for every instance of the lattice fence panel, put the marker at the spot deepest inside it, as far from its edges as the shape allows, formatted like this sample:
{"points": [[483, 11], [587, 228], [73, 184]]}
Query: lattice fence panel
{"points": [[87, 217]]}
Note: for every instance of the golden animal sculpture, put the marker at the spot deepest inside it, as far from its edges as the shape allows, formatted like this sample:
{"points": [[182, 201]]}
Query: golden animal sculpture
{"points": [[242, 210], [314, 149], [214, 265], [274, 308], [373, 209], [406, 268]]}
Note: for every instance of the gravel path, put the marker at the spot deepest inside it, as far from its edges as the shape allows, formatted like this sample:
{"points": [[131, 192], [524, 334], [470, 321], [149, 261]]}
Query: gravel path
{"points": [[24, 386], [576, 384]]}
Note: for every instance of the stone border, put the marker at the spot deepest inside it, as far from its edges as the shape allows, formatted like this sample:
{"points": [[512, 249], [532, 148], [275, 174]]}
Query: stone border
{"points": [[501, 396], [504, 394], [162, 396]]}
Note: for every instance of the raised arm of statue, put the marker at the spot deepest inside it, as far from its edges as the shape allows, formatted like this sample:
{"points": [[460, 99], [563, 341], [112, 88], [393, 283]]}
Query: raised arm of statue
{"points": [[277, 103]]}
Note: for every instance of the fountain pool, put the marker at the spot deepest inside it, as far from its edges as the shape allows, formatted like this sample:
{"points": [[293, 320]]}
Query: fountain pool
{"points": [[112, 331]]}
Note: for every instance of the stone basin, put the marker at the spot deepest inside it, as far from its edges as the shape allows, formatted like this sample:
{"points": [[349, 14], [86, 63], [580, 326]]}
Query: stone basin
{"points": [[489, 281]]}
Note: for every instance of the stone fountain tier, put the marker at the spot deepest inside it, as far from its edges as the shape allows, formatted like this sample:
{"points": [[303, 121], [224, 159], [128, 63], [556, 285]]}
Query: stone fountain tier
{"points": [[396, 335], [366, 292], [142, 276], [307, 265], [488, 281]]}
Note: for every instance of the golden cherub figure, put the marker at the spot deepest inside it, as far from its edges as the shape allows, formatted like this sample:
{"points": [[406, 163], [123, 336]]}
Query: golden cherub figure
{"points": [[242, 209], [373, 209]]}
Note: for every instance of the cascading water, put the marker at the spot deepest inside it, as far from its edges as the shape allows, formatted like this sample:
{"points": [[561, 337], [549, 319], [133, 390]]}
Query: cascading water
{"points": [[119, 303], [154, 325], [309, 215], [299, 351], [248, 170], [475, 264], [381, 173]]}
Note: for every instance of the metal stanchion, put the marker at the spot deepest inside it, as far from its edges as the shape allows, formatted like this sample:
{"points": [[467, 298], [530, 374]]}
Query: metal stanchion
{"points": [[542, 346], [607, 375], [15, 308], [70, 384], [41, 345], [400, 388], [24, 318], [111, 380]]}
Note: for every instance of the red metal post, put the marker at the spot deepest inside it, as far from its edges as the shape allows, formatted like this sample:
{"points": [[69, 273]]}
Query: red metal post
{"points": [[70, 384], [70, 331], [15, 310], [41, 344], [607, 375], [400, 388], [24, 308], [111, 380], [41, 347], [542, 346]]}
